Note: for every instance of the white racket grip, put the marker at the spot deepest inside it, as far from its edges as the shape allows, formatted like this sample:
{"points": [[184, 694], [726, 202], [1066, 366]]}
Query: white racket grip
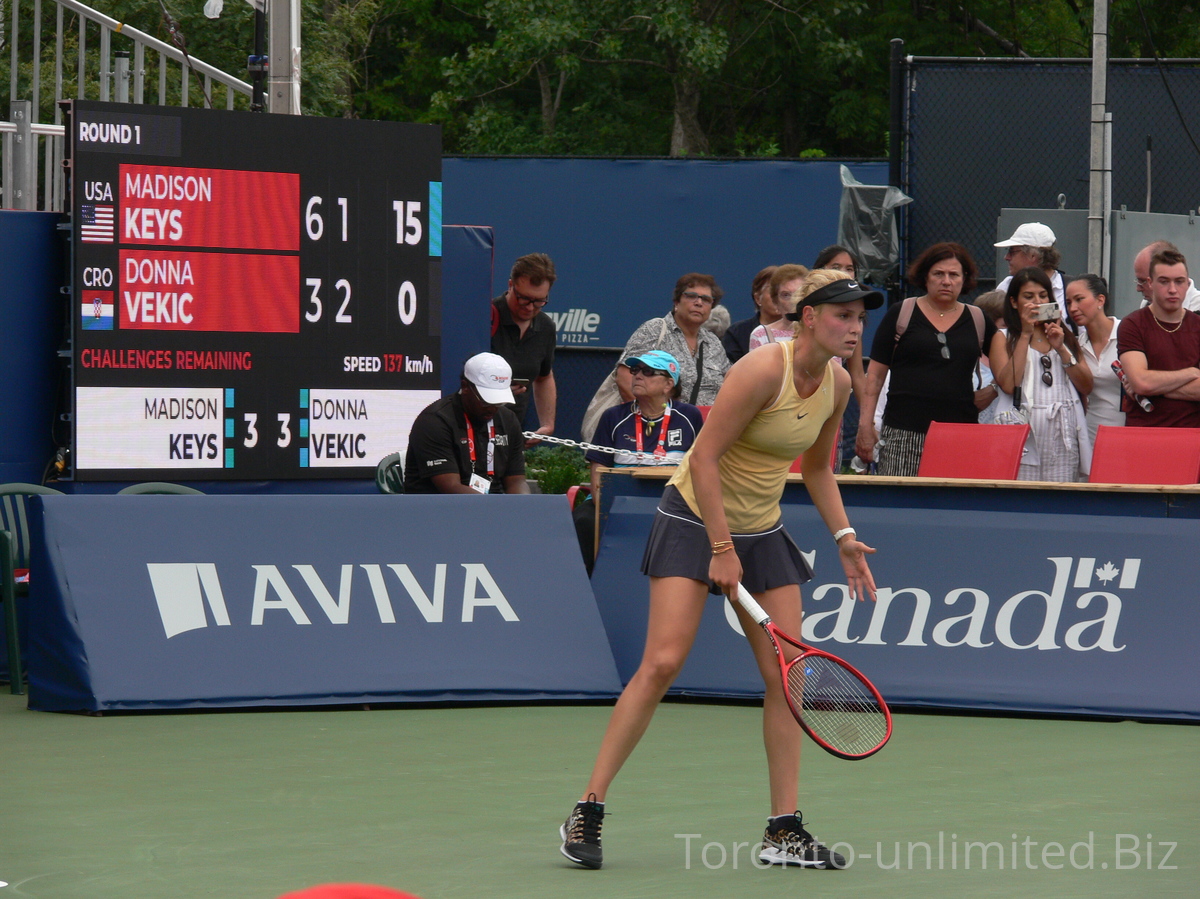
{"points": [[750, 604]]}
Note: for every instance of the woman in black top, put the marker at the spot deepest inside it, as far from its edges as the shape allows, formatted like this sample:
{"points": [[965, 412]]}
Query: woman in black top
{"points": [[931, 362]]}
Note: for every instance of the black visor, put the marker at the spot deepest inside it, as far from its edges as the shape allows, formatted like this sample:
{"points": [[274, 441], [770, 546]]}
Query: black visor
{"points": [[843, 290]]}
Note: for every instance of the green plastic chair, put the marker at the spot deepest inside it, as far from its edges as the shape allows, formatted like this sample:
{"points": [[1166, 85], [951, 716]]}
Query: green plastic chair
{"points": [[160, 487], [389, 473], [14, 554]]}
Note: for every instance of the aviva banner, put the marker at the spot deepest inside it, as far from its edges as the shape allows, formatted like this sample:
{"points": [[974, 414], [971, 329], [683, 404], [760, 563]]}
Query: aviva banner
{"points": [[174, 601], [1064, 614]]}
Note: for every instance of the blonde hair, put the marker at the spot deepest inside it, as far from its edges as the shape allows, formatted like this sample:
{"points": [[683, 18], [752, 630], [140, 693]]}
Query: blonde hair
{"points": [[818, 278]]}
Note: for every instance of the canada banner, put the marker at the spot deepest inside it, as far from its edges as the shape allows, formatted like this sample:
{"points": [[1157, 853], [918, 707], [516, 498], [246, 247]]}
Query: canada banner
{"points": [[1043, 612], [140, 602]]}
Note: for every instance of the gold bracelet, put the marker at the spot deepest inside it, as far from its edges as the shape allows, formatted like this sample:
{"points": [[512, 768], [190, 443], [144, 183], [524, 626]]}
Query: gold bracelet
{"points": [[723, 549]]}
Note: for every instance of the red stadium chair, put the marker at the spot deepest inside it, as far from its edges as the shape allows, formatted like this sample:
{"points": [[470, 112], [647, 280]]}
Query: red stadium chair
{"points": [[985, 452], [704, 410], [1146, 456]]}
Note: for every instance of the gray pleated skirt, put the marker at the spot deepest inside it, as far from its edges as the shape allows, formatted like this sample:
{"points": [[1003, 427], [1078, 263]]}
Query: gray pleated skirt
{"points": [[678, 547]]}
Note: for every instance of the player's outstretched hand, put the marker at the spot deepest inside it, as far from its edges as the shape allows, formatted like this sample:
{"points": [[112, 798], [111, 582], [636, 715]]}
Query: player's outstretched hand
{"points": [[853, 554]]}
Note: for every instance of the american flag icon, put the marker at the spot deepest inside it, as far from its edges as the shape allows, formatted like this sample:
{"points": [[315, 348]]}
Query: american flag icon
{"points": [[96, 224]]}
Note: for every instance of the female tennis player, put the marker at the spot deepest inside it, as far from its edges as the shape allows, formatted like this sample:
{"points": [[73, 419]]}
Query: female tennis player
{"points": [[718, 524]]}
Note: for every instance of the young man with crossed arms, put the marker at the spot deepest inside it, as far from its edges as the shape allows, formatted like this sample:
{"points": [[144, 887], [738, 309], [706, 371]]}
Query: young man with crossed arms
{"points": [[1159, 348]]}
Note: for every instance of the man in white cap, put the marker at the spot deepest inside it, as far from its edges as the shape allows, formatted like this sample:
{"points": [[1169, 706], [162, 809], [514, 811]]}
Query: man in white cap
{"points": [[470, 441], [1032, 244]]}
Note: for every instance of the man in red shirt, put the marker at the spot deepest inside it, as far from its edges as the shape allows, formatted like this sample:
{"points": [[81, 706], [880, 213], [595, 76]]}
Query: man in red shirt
{"points": [[1159, 348]]}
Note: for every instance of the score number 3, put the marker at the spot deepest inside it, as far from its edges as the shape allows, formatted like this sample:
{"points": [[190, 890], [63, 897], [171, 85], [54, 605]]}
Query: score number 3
{"points": [[285, 432]]}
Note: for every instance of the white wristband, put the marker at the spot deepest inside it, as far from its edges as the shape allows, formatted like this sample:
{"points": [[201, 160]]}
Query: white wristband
{"points": [[838, 535]]}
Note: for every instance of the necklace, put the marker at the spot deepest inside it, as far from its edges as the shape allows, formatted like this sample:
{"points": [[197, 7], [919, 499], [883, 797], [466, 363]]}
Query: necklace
{"points": [[933, 308], [811, 376], [1178, 324]]}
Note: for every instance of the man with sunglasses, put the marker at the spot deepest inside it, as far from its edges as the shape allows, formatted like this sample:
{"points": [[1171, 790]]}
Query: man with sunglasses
{"points": [[470, 441], [525, 337]]}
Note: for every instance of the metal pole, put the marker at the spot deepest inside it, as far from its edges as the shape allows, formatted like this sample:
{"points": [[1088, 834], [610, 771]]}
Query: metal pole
{"points": [[24, 158], [1097, 223], [13, 36], [1149, 149], [58, 63], [896, 127], [283, 46], [122, 72], [259, 63], [105, 64], [1106, 272], [37, 59], [139, 73]]}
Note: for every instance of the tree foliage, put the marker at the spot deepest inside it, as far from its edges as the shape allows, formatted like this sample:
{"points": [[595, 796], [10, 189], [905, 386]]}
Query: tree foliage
{"points": [[647, 77]]}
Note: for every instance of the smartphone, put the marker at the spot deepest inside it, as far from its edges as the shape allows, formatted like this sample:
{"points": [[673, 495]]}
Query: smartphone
{"points": [[520, 382]]}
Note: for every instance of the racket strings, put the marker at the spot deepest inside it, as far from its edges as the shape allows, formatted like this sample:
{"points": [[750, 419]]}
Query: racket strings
{"points": [[836, 705]]}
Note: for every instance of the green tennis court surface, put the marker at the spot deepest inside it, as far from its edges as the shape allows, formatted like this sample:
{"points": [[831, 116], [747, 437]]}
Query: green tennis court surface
{"points": [[466, 802]]}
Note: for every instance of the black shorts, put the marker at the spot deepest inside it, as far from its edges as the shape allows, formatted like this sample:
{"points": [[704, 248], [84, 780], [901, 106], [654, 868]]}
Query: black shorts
{"points": [[678, 547]]}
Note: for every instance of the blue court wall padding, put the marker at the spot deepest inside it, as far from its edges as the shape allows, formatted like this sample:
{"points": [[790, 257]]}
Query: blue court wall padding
{"points": [[1032, 612], [621, 231], [31, 273], [142, 602], [466, 293]]}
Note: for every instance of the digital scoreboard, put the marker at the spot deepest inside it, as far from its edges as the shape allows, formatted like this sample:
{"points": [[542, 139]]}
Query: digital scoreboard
{"points": [[254, 296]]}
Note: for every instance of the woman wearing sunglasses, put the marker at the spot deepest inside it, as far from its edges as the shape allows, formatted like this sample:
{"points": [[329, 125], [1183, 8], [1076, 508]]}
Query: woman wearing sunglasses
{"points": [[1045, 366], [701, 356], [655, 424]]}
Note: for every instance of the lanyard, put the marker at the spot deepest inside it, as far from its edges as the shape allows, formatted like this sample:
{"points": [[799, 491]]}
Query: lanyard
{"points": [[659, 450], [491, 448]]}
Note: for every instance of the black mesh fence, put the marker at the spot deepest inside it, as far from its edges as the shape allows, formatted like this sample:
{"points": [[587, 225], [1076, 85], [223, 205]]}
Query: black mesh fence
{"points": [[578, 372], [986, 135]]}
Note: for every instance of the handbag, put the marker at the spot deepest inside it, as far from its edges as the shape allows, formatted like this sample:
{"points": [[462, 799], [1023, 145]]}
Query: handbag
{"points": [[1009, 411], [608, 395]]}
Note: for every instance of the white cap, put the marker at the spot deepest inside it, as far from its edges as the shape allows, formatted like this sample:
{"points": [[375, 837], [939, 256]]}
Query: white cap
{"points": [[492, 377], [1031, 234]]}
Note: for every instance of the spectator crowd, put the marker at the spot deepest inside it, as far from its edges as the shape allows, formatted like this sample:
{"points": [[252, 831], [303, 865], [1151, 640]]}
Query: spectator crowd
{"points": [[1041, 349]]}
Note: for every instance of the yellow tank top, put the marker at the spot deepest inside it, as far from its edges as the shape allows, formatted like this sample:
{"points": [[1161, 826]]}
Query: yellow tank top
{"points": [[753, 471]]}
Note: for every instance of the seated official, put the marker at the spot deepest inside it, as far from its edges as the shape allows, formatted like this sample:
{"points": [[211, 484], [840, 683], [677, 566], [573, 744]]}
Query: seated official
{"points": [[469, 442], [654, 423]]}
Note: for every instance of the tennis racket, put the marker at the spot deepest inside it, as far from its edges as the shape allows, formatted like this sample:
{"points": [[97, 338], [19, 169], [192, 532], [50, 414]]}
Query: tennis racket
{"points": [[839, 708]]}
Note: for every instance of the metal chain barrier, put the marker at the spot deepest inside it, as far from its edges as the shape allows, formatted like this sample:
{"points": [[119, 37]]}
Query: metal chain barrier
{"points": [[562, 441]]}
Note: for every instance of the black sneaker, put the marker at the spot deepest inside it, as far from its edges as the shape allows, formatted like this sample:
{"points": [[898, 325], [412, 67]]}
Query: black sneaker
{"points": [[786, 842], [581, 833]]}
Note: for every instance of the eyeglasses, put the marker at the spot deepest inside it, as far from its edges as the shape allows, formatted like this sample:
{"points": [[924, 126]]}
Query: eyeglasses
{"points": [[692, 295], [529, 301], [945, 348], [1047, 378], [638, 369]]}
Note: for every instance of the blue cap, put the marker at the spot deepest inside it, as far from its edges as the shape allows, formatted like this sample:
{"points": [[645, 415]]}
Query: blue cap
{"points": [[658, 360]]}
